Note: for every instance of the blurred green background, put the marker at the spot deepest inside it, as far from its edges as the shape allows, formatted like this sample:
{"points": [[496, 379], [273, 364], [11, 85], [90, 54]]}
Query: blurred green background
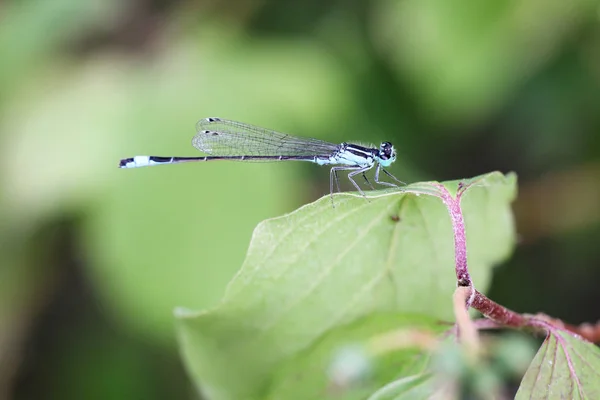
{"points": [[94, 259]]}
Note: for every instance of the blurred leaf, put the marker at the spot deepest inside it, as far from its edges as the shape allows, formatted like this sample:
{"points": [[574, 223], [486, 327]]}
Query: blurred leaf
{"points": [[25, 285], [513, 353], [320, 268], [565, 367], [463, 58], [169, 236], [32, 31], [339, 366]]}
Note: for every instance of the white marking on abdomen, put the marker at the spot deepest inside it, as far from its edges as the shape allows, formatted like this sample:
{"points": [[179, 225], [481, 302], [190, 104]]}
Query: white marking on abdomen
{"points": [[140, 161]]}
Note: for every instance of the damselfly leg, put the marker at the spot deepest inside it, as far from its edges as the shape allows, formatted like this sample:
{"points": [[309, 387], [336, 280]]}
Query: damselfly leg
{"points": [[366, 180], [379, 167], [359, 170], [334, 177], [355, 169]]}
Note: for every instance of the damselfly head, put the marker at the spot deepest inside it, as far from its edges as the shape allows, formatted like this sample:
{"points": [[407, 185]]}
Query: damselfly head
{"points": [[387, 154]]}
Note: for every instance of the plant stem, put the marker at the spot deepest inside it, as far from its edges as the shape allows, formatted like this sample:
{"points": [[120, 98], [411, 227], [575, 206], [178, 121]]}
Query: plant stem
{"points": [[497, 314], [489, 308], [463, 277]]}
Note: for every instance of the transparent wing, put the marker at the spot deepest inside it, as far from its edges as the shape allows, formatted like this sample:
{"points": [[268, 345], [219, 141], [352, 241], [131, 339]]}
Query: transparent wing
{"points": [[221, 137]]}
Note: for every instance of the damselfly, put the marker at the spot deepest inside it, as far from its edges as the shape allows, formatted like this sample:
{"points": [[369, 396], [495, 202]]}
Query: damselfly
{"points": [[236, 141]]}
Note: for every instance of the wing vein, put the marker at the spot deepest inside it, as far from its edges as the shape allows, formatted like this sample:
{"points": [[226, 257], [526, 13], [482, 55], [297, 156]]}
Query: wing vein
{"points": [[220, 137]]}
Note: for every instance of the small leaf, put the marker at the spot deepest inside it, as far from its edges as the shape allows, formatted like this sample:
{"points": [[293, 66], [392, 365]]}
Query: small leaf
{"points": [[320, 268], [565, 367]]}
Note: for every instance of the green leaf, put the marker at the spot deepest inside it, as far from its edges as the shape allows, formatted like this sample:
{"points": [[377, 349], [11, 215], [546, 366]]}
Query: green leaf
{"points": [[320, 268], [480, 46], [565, 367], [489, 223]]}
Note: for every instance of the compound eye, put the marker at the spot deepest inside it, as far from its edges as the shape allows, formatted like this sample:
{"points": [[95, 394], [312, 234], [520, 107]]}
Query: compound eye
{"points": [[386, 151]]}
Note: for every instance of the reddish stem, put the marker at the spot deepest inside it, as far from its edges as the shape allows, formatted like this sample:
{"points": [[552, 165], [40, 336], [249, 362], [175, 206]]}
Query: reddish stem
{"points": [[460, 240], [489, 308], [500, 315]]}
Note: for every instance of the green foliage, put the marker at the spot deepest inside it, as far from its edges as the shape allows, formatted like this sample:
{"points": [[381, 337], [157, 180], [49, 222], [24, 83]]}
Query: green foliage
{"points": [[565, 367], [456, 85], [314, 273], [338, 364], [465, 58]]}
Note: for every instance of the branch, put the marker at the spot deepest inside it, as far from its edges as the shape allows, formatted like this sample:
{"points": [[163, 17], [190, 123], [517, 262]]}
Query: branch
{"points": [[497, 314]]}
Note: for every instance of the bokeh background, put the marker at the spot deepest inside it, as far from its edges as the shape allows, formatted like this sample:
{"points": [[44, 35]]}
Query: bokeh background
{"points": [[94, 259]]}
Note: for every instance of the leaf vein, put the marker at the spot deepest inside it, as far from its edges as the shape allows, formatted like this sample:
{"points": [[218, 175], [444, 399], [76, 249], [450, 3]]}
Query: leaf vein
{"points": [[326, 271]]}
